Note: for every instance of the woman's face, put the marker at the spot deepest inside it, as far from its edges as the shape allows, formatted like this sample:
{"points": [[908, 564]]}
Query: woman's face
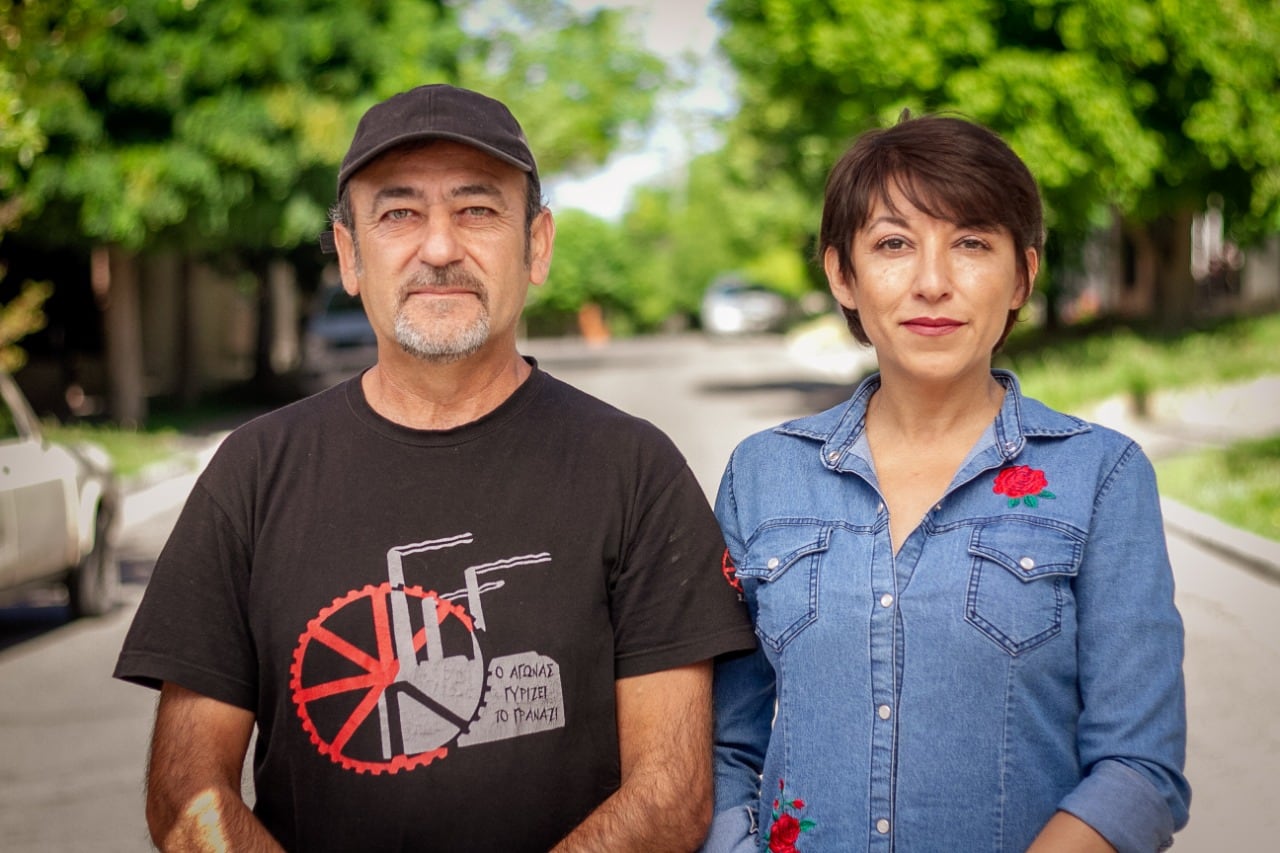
{"points": [[933, 296]]}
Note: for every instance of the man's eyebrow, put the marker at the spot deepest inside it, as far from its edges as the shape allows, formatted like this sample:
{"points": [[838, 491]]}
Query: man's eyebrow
{"points": [[487, 190], [395, 192]]}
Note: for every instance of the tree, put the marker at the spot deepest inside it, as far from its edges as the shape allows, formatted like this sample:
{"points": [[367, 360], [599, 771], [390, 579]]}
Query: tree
{"points": [[215, 129], [1116, 105]]}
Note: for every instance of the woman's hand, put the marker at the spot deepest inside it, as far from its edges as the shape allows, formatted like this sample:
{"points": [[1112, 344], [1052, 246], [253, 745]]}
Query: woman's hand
{"points": [[1066, 833]]}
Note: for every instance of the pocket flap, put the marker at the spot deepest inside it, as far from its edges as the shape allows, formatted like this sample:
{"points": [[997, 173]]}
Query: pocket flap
{"points": [[775, 549], [1027, 549]]}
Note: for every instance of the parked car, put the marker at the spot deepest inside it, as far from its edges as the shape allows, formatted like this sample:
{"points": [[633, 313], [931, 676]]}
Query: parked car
{"points": [[58, 507], [733, 306], [337, 340]]}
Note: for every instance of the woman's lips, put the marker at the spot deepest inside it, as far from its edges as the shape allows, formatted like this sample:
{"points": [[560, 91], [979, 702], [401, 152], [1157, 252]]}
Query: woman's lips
{"points": [[932, 326]]}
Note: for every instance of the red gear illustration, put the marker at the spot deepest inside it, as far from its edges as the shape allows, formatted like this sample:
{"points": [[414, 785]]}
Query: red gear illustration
{"points": [[378, 673]]}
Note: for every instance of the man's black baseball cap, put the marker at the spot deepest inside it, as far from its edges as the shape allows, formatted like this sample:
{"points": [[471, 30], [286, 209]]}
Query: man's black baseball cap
{"points": [[435, 111]]}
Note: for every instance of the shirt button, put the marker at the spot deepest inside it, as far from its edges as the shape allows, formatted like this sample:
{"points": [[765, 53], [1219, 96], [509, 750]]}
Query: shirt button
{"points": [[884, 712], [773, 563], [880, 509], [833, 456], [886, 600], [1010, 446], [1027, 564], [882, 826]]}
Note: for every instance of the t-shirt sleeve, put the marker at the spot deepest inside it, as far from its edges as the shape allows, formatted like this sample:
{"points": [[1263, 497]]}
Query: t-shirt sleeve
{"points": [[674, 599], [192, 626]]}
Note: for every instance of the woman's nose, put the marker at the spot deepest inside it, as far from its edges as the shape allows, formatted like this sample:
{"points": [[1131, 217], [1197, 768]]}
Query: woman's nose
{"points": [[933, 273]]}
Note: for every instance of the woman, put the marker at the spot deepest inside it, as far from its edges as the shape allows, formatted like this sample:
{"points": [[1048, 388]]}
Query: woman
{"points": [[963, 598]]}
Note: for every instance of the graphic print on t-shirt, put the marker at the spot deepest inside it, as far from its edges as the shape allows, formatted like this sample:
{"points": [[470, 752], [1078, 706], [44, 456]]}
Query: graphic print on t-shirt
{"points": [[387, 677]]}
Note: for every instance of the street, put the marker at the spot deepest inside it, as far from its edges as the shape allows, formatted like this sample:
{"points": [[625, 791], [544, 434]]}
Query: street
{"points": [[73, 741]]}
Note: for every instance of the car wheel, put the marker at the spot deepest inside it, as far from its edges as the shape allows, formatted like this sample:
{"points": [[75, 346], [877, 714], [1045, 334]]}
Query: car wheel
{"points": [[94, 585]]}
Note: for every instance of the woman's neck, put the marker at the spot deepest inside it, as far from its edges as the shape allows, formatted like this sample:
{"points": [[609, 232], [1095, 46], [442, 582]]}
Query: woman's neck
{"points": [[922, 412]]}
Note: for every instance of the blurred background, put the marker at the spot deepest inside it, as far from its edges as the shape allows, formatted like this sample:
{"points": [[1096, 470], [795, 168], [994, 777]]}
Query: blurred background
{"points": [[166, 167]]}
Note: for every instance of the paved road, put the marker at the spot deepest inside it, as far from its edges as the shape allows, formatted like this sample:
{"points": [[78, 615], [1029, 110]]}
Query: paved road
{"points": [[73, 742]]}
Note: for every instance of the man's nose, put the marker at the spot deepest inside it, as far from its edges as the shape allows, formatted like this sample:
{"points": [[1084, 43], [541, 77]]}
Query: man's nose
{"points": [[439, 246]]}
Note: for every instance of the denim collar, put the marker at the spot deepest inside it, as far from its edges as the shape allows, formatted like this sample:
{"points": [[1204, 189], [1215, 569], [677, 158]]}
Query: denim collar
{"points": [[1020, 418]]}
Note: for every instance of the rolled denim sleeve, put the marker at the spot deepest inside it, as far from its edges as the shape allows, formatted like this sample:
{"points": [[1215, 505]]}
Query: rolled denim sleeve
{"points": [[744, 693], [1132, 732]]}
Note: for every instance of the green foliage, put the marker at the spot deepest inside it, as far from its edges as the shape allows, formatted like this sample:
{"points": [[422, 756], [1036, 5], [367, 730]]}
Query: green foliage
{"points": [[1141, 106], [131, 450], [578, 82], [209, 126], [1070, 373], [1239, 483], [178, 122], [591, 264], [19, 317]]}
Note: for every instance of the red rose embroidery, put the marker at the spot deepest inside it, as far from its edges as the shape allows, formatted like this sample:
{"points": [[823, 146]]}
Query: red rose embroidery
{"points": [[1022, 484], [783, 835], [786, 827]]}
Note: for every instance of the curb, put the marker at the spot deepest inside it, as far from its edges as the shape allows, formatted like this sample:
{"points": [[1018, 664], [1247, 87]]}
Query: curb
{"points": [[1251, 551]]}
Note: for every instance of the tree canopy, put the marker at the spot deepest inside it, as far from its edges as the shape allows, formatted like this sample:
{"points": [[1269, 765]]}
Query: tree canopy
{"points": [[1145, 108], [204, 125]]}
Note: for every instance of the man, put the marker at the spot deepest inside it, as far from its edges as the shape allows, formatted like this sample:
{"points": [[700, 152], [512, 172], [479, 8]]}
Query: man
{"points": [[467, 606]]}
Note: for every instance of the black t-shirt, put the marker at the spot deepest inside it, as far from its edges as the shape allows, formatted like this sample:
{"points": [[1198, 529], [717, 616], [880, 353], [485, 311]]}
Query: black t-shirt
{"points": [[428, 624]]}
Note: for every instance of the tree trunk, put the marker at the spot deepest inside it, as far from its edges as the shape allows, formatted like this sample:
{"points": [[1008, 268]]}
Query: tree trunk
{"points": [[1175, 285], [115, 283], [189, 384]]}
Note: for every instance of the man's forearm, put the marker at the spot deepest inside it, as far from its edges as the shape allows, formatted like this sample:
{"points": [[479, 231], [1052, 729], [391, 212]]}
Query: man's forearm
{"points": [[664, 801], [214, 821], [646, 814]]}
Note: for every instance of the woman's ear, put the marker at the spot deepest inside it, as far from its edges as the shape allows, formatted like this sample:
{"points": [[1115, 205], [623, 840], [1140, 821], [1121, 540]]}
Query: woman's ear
{"points": [[841, 285], [1031, 267]]}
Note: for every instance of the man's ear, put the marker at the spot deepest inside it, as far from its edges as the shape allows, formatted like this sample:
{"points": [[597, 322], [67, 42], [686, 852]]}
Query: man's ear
{"points": [[542, 238], [344, 242], [841, 285]]}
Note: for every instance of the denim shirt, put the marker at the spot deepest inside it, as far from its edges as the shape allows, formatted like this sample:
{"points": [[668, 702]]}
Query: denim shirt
{"points": [[1021, 654]]}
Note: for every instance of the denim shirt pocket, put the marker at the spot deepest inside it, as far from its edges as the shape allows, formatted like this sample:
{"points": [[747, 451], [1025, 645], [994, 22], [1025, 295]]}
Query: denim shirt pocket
{"points": [[782, 565], [1019, 581]]}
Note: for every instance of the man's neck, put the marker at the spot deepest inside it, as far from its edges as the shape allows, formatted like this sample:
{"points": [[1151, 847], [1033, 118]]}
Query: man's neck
{"points": [[420, 395]]}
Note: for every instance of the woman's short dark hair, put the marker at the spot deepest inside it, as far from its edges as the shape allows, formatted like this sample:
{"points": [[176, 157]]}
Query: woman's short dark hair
{"points": [[947, 167]]}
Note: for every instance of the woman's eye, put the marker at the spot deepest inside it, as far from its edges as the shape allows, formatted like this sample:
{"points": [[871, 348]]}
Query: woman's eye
{"points": [[893, 244], [973, 243]]}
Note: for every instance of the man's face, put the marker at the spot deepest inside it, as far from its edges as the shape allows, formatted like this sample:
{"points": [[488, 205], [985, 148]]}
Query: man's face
{"points": [[438, 251]]}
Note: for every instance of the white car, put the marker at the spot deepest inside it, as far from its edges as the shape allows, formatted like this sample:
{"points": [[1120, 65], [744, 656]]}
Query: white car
{"points": [[57, 510]]}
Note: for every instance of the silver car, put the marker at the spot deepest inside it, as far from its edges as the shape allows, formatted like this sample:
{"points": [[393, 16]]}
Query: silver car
{"points": [[57, 510], [732, 306]]}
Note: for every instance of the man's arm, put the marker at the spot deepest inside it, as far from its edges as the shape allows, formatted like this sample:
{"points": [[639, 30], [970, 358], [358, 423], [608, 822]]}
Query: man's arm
{"points": [[193, 781], [664, 741]]}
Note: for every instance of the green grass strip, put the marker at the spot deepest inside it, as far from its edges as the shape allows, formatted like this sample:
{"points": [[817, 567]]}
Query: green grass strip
{"points": [[1239, 484]]}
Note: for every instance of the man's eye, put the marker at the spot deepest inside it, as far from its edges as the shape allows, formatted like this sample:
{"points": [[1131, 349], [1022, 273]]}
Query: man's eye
{"points": [[973, 243], [398, 213], [477, 211]]}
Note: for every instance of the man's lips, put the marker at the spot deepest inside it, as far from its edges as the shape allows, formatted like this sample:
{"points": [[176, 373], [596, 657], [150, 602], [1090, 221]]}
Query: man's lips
{"points": [[932, 326]]}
